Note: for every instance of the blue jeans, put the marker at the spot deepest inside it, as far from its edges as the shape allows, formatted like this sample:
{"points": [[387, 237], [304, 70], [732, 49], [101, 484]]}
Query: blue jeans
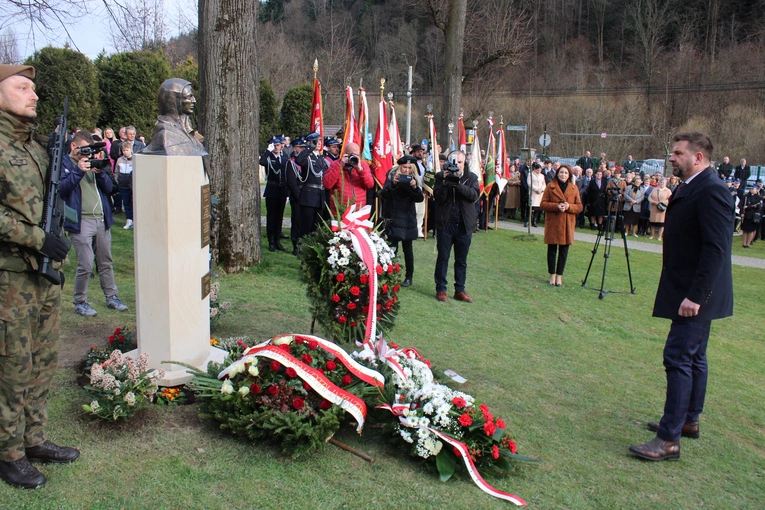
{"points": [[685, 361], [452, 235]]}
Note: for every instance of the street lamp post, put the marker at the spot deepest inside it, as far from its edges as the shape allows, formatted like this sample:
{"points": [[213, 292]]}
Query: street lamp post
{"points": [[408, 102]]}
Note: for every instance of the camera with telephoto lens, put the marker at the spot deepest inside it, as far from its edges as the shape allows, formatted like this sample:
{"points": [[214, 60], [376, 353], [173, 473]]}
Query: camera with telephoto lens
{"points": [[353, 162], [451, 174], [92, 150]]}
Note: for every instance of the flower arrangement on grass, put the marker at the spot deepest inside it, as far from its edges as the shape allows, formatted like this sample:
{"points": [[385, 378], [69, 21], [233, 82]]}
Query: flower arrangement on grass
{"points": [[258, 398], [339, 283], [122, 339], [120, 386], [170, 397]]}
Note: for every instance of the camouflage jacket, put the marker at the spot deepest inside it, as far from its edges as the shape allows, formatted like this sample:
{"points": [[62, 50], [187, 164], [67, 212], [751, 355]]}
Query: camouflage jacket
{"points": [[23, 165]]}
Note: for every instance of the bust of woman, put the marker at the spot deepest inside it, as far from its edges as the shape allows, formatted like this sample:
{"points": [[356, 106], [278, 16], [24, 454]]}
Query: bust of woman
{"points": [[173, 134]]}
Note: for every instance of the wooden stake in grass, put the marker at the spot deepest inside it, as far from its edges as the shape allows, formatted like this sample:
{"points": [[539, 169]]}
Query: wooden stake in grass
{"points": [[354, 451]]}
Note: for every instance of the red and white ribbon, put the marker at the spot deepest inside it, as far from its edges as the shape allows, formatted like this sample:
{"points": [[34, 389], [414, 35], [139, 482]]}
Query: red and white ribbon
{"points": [[367, 375]]}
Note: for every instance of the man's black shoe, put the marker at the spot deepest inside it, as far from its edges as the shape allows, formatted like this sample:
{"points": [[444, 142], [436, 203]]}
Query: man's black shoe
{"points": [[279, 245], [407, 282], [283, 236], [21, 474], [50, 452]]}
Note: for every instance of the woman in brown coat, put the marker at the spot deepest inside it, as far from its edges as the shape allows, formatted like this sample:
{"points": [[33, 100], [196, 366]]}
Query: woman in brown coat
{"points": [[561, 202]]}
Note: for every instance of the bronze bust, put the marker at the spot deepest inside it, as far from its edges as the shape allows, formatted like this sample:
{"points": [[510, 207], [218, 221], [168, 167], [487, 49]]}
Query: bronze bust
{"points": [[173, 134]]}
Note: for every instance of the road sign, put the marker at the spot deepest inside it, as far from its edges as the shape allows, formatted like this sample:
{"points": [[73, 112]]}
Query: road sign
{"points": [[516, 128], [544, 140], [604, 135]]}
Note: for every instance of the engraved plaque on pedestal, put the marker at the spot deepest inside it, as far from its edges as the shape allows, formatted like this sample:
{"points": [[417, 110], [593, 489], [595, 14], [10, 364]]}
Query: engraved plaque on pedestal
{"points": [[206, 285], [206, 215]]}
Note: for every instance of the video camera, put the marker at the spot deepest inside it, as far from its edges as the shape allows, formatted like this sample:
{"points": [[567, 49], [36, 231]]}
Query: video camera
{"points": [[91, 151], [451, 173]]}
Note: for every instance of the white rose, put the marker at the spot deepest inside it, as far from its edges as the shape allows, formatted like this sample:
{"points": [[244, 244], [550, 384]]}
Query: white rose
{"points": [[227, 387], [244, 390], [287, 339], [253, 370]]}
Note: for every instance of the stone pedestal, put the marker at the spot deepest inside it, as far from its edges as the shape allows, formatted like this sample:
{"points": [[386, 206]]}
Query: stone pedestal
{"points": [[172, 264]]}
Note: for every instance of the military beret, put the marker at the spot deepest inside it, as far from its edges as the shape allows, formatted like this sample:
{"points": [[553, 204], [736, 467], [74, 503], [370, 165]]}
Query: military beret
{"points": [[406, 159], [415, 147], [8, 70]]}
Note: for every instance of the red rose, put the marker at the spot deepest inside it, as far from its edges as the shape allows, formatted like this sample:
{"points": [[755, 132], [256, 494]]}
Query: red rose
{"points": [[355, 290], [299, 340], [512, 447], [398, 268], [307, 359], [111, 339], [340, 277], [291, 373], [351, 306], [457, 452], [379, 269], [390, 269], [254, 388], [395, 298], [117, 331], [396, 287], [273, 389], [121, 337], [285, 347], [275, 365], [306, 386], [313, 344], [365, 309], [354, 324], [325, 404], [489, 428], [298, 403], [500, 423], [346, 380], [379, 307], [465, 420], [459, 402], [385, 288], [364, 279], [331, 365], [495, 451], [342, 319], [335, 298]]}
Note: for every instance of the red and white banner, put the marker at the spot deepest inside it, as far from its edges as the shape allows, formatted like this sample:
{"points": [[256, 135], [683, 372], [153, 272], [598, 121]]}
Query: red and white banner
{"points": [[501, 165], [397, 148], [317, 115], [381, 156], [475, 161], [363, 122], [351, 130], [461, 134], [367, 375]]}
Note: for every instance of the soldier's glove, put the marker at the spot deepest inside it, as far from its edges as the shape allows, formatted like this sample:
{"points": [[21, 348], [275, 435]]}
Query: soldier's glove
{"points": [[55, 247]]}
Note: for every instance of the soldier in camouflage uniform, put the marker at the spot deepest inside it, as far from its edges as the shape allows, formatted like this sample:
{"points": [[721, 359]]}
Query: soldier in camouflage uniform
{"points": [[29, 303]]}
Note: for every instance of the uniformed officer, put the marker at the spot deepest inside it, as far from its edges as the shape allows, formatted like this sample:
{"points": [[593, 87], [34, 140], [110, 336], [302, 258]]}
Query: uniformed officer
{"points": [[29, 315], [332, 149], [275, 163], [313, 196], [295, 184]]}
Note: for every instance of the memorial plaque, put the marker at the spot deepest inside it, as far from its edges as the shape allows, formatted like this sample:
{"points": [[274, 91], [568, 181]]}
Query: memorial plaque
{"points": [[206, 215], [206, 285]]}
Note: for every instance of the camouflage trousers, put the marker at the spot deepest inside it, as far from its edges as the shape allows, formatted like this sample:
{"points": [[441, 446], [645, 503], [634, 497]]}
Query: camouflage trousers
{"points": [[29, 329]]}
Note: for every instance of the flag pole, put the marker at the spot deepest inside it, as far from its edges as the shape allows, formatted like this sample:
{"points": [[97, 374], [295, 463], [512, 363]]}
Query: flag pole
{"points": [[376, 184], [504, 157]]}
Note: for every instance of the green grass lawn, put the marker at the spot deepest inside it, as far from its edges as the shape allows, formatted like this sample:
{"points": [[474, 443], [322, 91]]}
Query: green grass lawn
{"points": [[575, 377]]}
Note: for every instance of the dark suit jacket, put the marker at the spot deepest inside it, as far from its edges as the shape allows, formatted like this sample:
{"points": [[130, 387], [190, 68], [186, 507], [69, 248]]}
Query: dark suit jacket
{"points": [[743, 173], [466, 193], [276, 175], [725, 169], [585, 163], [698, 233]]}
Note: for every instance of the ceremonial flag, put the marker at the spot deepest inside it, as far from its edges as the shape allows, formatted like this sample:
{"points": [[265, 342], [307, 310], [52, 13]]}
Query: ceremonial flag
{"points": [[351, 133], [366, 154], [381, 156], [475, 160], [489, 164], [317, 117], [396, 148], [434, 165], [461, 134], [502, 167]]}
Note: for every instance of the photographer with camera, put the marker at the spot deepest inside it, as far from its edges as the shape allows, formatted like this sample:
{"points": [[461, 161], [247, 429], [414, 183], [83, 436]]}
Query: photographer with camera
{"points": [[400, 194], [455, 193], [85, 186], [348, 180]]}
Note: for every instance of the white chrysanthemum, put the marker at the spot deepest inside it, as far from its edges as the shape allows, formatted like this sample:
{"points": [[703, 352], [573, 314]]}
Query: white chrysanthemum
{"points": [[343, 262], [423, 433]]}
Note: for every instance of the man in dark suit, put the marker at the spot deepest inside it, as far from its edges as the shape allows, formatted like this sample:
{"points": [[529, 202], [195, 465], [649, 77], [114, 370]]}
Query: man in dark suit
{"points": [[696, 287], [743, 171], [725, 169], [586, 161]]}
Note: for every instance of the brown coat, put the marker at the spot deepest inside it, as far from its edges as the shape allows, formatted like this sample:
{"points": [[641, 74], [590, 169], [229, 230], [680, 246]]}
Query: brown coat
{"points": [[559, 226]]}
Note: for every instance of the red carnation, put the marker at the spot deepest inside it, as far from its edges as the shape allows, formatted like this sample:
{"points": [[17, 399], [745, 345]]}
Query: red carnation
{"points": [[291, 373], [365, 309], [378, 307], [111, 339], [465, 420], [459, 402], [325, 404], [273, 389], [117, 331], [299, 340], [390, 269], [385, 288], [313, 344], [254, 388], [342, 319], [495, 451], [307, 359], [331, 365], [285, 347], [512, 447], [379, 269], [355, 290], [500, 423], [457, 452], [121, 337], [298, 403], [396, 288], [489, 428], [346, 380], [335, 298], [275, 365], [354, 324], [398, 268], [364, 279], [351, 306], [340, 277], [306, 386]]}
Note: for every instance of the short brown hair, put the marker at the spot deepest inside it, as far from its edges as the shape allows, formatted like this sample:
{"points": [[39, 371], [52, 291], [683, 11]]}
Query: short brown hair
{"points": [[83, 136], [697, 141]]}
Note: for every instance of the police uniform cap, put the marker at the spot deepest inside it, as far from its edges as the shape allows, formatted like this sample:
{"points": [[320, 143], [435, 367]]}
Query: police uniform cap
{"points": [[7, 71], [332, 141], [276, 139], [312, 137], [414, 148], [406, 159], [298, 142]]}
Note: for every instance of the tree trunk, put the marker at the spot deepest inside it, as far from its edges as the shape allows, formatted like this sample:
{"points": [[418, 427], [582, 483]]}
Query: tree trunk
{"points": [[229, 97], [455, 42]]}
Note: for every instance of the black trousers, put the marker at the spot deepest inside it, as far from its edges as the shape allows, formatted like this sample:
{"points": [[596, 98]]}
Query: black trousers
{"points": [[408, 256], [524, 204], [309, 219], [274, 216], [562, 252], [295, 218]]}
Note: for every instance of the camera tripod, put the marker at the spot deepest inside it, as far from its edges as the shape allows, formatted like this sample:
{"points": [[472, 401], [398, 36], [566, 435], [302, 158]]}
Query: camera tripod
{"points": [[613, 222]]}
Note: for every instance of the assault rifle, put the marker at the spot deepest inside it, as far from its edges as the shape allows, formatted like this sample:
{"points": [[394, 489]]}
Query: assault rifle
{"points": [[55, 210]]}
